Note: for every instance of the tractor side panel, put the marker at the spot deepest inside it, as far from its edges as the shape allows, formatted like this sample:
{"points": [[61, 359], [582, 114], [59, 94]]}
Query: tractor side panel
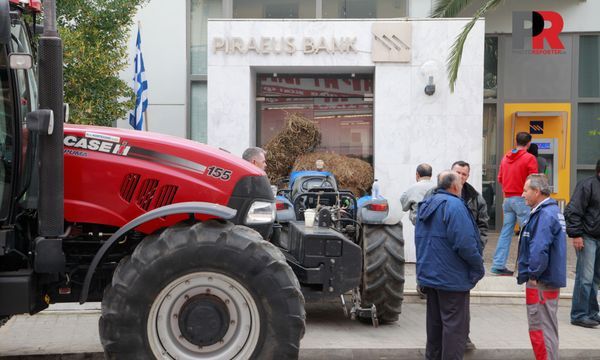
{"points": [[114, 175]]}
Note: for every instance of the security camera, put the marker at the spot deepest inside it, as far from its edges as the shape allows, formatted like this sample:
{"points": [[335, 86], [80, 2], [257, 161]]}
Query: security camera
{"points": [[430, 89]]}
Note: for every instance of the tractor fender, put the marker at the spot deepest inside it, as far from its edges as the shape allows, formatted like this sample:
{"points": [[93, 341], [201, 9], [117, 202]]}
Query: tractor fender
{"points": [[198, 207]]}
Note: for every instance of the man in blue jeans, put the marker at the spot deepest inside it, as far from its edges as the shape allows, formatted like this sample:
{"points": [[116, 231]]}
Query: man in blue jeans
{"points": [[583, 226], [516, 165]]}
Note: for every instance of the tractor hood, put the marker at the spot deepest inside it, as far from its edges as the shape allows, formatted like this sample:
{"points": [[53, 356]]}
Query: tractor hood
{"points": [[114, 175]]}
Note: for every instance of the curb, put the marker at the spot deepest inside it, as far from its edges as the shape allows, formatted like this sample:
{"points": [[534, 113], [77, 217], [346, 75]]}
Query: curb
{"points": [[368, 354]]}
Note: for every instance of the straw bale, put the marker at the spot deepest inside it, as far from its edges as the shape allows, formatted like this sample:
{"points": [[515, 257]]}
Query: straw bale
{"points": [[352, 174], [300, 136]]}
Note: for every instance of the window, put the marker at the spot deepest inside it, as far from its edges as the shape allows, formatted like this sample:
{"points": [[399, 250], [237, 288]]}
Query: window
{"points": [[201, 11], [26, 89], [6, 134], [490, 158], [274, 9], [361, 9], [588, 108], [199, 112], [589, 66], [490, 73], [336, 104], [588, 134]]}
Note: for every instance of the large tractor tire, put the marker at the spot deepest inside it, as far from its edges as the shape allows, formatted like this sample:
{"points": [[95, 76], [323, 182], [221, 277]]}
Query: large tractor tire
{"points": [[213, 290], [383, 270]]}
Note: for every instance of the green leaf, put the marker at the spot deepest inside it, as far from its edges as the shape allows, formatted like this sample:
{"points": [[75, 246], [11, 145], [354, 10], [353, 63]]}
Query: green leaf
{"points": [[448, 8], [455, 56]]}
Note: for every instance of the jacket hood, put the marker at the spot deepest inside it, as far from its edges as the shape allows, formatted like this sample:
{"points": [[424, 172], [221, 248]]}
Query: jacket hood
{"points": [[515, 155], [428, 208]]}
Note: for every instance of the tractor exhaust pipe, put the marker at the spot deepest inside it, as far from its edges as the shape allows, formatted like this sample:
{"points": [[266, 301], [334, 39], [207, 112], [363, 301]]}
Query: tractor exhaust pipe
{"points": [[50, 66]]}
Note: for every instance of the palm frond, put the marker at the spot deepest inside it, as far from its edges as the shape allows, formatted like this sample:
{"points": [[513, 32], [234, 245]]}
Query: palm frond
{"points": [[455, 56], [448, 8]]}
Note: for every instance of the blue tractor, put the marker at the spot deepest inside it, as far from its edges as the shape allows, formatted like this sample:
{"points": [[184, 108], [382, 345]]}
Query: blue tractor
{"points": [[349, 249]]}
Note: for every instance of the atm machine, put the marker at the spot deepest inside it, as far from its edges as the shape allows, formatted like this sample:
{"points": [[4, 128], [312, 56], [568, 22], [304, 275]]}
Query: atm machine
{"points": [[548, 151], [549, 127]]}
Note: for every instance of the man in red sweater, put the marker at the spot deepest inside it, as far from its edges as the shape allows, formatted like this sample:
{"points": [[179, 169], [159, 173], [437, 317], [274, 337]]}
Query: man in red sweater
{"points": [[516, 165]]}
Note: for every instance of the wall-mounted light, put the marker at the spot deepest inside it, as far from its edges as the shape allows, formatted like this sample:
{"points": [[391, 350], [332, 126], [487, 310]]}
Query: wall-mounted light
{"points": [[430, 71], [430, 87]]}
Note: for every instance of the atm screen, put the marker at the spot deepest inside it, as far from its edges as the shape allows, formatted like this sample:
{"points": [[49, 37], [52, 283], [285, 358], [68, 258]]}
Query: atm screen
{"points": [[544, 146]]}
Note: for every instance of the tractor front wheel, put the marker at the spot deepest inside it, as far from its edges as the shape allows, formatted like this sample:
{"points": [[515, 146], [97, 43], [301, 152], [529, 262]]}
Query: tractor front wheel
{"points": [[210, 291], [383, 270]]}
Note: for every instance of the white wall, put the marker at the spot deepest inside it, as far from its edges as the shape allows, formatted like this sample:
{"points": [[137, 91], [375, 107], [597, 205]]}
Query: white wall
{"points": [[163, 25], [409, 126]]}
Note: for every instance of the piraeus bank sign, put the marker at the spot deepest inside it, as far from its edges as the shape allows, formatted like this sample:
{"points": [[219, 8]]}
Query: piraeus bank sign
{"points": [[390, 42], [284, 45]]}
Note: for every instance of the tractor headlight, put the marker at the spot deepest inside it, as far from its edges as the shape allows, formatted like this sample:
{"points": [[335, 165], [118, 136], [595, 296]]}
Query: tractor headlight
{"points": [[261, 212]]}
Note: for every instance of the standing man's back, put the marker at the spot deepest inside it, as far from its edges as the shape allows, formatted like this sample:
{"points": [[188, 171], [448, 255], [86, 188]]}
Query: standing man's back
{"points": [[516, 165], [411, 198], [449, 264]]}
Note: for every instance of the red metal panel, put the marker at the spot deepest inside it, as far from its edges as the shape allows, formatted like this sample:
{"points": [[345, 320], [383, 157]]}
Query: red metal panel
{"points": [[97, 160]]}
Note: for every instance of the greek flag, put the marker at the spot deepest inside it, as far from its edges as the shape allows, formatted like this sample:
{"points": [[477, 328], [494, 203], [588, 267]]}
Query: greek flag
{"points": [[140, 87]]}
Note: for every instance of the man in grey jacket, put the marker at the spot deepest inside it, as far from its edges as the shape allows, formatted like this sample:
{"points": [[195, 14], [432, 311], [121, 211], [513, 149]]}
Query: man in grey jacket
{"points": [[415, 193]]}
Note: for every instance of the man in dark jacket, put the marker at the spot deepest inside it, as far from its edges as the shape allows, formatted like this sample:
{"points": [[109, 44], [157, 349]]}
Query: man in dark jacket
{"points": [[542, 264], [583, 226], [475, 202], [449, 264]]}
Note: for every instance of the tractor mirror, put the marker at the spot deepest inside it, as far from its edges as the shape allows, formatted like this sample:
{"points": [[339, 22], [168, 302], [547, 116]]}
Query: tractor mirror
{"points": [[19, 61], [40, 121]]}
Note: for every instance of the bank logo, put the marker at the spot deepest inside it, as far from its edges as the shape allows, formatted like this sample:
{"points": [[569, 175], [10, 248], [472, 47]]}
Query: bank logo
{"points": [[391, 42], [537, 32], [536, 127]]}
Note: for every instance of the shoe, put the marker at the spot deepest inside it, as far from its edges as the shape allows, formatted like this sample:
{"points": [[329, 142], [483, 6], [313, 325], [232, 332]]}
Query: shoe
{"points": [[422, 291], [470, 346], [586, 323], [595, 318], [502, 272]]}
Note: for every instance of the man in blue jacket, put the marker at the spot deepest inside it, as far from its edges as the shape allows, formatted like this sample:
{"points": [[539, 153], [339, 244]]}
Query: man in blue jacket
{"points": [[542, 264], [449, 264]]}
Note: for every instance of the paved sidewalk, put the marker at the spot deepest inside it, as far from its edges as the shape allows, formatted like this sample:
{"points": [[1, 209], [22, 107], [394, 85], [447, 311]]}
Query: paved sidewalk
{"points": [[499, 331]]}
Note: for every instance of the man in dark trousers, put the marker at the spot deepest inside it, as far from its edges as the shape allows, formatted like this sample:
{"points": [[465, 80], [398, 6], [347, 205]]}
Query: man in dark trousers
{"points": [[583, 226], [477, 206], [449, 264], [542, 265], [515, 166]]}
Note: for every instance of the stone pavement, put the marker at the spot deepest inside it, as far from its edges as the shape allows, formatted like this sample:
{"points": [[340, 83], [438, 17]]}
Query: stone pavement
{"points": [[499, 331]]}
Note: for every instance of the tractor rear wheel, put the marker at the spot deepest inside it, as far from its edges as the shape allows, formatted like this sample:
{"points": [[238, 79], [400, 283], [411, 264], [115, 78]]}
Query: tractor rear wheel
{"points": [[383, 270], [213, 290]]}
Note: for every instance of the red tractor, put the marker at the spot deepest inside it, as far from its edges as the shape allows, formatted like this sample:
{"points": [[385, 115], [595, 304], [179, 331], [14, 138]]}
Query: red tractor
{"points": [[167, 233]]}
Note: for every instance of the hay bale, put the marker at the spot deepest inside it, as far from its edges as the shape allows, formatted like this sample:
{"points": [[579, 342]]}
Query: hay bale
{"points": [[300, 136], [352, 174]]}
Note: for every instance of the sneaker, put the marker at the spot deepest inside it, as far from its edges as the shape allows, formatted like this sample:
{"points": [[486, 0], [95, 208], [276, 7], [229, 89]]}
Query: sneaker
{"points": [[502, 272], [586, 323], [470, 346]]}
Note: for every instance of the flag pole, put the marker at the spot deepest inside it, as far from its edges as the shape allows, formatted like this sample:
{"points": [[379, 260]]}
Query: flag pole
{"points": [[145, 117]]}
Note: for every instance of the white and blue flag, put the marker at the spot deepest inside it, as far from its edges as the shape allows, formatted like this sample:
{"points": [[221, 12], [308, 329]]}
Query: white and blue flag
{"points": [[140, 87]]}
